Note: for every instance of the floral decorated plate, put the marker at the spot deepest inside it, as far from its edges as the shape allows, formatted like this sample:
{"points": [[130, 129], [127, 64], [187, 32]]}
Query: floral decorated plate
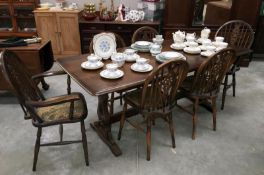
{"points": [[104, 45]]}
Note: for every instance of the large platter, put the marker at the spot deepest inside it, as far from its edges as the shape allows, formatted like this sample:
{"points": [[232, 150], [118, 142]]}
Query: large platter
{"points": [[161, 59], [104, 45]]}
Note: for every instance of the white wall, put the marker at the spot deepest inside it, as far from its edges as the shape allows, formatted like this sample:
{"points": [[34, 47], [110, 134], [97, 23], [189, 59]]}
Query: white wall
{"points": [[130, 3]]}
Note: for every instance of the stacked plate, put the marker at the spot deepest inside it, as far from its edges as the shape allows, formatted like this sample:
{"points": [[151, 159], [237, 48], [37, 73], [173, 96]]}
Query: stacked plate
{"points": [[141, 46], [165, 56]]}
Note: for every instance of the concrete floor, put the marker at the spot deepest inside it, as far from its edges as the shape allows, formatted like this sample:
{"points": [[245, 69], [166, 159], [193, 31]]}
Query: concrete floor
{"points": [[236, 148]]}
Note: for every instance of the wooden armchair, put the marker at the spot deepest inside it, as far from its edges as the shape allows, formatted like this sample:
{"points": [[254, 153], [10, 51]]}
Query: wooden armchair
{"points": [[157, 98], [145, 33], [44, 112], [239, 36], [205, 84]]}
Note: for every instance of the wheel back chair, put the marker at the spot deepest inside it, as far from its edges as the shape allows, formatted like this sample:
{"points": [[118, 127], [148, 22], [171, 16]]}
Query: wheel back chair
{"points": [[58, 110], [205, 83], [120, 43], [240, 36], [156, 99], [144, 33]]}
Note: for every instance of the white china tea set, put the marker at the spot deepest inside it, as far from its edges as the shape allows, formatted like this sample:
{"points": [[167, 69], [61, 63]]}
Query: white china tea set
{"points": [[188, 43]]}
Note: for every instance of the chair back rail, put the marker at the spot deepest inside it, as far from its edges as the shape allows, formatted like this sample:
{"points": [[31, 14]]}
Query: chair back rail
{"points": [[145, 33], [19, 78], [210, 74], [162, 86], [237, 33]]}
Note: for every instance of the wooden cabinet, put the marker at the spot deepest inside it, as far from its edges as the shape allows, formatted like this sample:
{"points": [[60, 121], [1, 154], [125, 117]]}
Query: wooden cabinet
{"points": [[180, 14], [16, 18], [62, 28], [125, 29]]}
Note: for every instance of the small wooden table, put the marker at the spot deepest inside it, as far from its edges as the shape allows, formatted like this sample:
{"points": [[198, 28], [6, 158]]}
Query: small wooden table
{"points": [[37, 57], [98, 86]]}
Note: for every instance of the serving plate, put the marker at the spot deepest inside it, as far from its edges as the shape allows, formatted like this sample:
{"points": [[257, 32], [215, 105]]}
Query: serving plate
{"points": [[133, 46], [162, 60], [104, 45], [192, 51], [109, 75], [147, 69], [178, 46]]}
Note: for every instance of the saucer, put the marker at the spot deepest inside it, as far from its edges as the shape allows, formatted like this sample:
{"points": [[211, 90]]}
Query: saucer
{"points": [[207, 54], [197, 50], [90, 66], [202, 47], [135, 68], [132, 58], [201, 40], [178, 46], [108, 75], [162, 60], [170, 54], [134, 46]]}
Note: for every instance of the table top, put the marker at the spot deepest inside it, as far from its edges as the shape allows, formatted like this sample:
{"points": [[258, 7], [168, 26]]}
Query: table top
{"points": [[33, 46], [95, 85]]}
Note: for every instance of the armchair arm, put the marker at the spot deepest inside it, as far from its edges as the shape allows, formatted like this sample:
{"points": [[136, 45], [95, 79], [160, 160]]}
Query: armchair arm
{"points": [[48, 74], [56, 100]]}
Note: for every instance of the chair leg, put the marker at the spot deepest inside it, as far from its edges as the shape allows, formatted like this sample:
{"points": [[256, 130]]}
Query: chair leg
{"points": [[45, 86], [194, 118], [234, 84], [84, 141], [214, 112], [37, 146], [224, 92], [172, 130], [148, 138], [61, 132], [121, 98], [68, 84], [122, 121]]}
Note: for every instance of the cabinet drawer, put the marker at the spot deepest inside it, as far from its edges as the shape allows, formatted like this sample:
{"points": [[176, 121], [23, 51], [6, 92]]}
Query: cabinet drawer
{"points": [[92, 26], [118, 27]]}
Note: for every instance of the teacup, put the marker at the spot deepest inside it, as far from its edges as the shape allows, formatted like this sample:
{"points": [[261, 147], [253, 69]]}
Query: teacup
{"points": [[130, 52], [223, 45], [58, 5], [111, 68], [210, 49], [142, 63], [155, 49], [193, 45], [118, 58], [73, 5], [159, 37], [93, 59], [219, 39], [190, 37], [158, 41]]}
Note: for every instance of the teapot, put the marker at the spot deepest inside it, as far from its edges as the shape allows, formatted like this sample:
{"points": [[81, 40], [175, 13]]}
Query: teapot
{"points": [[205, 33], [178, 36]]}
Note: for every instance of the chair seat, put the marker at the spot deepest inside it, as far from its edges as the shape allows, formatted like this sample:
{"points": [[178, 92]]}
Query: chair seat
{"points": [[187, 83], [61, 111], [134, 97]]}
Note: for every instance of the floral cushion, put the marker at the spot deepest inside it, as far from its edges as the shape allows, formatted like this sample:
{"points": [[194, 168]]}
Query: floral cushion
{"points": [[60, 111]]}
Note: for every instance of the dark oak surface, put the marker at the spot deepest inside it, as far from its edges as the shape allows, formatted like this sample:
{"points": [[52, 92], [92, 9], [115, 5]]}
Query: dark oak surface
{"points": [[95, 85]]}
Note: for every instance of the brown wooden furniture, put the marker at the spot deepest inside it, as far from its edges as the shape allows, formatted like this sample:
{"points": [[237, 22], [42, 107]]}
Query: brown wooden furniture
{"points": [[37, 57], [97, 86], [157, 98], [144, 33], [205, 84], [240, 35], [179, 14], [61, 27], [125, 29], [17, 18], [217, 12], [259, 39], [44, 112]]}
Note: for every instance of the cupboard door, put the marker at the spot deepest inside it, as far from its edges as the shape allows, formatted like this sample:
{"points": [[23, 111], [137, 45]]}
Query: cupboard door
{"points": [[178, 13], [68, 28], [47, 29]]}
